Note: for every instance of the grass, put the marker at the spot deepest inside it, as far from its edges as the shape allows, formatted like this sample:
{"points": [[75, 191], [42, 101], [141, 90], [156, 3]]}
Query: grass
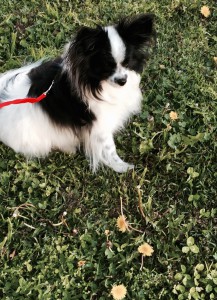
{"points": [[170, 197]]}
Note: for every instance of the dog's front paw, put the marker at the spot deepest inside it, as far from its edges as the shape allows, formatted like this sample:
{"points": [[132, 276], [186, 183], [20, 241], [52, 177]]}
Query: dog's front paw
{"points": [[122, 167]]}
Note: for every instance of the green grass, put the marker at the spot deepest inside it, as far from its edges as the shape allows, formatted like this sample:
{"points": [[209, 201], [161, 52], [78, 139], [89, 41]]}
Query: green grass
{"points": [[175, 169]]}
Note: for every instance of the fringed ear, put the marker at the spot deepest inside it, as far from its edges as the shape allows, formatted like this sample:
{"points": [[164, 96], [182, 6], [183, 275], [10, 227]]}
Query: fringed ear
{"points": [[137, 30]]}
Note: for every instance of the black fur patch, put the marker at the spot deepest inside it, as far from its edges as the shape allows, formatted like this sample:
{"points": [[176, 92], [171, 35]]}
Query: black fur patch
{"points": [[136, 32], [62, 103], [89, 58]]}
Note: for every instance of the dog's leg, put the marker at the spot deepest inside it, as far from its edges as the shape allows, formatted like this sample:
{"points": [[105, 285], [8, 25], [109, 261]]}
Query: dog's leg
{"points": [[100, 148], [110, 157]]}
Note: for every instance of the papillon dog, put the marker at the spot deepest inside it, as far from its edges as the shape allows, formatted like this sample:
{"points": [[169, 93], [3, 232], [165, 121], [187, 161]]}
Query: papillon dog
{"points": [[90, 91]]}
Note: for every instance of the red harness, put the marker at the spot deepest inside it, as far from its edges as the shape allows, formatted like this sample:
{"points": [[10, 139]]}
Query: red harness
{"points": [[26, 100]]}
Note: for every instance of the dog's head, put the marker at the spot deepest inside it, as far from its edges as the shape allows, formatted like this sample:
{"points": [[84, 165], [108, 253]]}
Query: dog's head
{"points": [[108, 53]]}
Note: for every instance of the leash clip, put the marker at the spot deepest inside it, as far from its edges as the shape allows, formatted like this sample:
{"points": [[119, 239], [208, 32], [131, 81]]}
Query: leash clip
{"points": [[49, 88]]}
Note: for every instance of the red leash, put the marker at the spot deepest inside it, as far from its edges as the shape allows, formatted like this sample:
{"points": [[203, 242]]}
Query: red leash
{"points": [[26, 100]]}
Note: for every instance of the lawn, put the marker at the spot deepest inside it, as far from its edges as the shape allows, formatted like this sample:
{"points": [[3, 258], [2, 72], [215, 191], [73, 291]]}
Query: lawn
{"points": [[58, 222]]}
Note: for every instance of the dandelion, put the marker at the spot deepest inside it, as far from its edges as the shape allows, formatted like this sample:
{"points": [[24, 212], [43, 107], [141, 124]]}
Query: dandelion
{"points": [[81, 263], [122, 224], [145, 249], [173, 115], [107, 232], [162, 67], [75, 231], [169, 127], [118, 292], [205, 11]]}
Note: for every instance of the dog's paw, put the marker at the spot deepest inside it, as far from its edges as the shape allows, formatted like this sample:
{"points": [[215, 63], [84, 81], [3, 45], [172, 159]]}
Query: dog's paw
{"points": [[122, 167]]}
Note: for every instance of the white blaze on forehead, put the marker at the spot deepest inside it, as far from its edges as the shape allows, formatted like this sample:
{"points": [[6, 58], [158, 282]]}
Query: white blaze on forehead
{"points": [[118, 48]]}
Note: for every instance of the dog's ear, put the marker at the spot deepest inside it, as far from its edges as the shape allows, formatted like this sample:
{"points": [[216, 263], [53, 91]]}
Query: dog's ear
{"points": [[87, 38], [137, 30]]}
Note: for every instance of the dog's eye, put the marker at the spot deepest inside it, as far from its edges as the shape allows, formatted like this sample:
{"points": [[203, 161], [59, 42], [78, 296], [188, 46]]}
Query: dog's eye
{"points": [[91, 48], [125, 63]]}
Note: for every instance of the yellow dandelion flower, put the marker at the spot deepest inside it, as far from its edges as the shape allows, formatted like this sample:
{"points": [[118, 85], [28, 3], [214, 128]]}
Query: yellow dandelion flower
{"points": [[145, 249], [173, 115], [205, 11], [122, 224], [107, 232], [169, 127], [81, 263], [118, 292], [162, 67]]}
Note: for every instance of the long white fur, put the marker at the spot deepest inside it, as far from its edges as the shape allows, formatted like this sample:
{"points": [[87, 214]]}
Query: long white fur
{"points": [[112, 113], [29, 130], [25, 127], [118, 48]]}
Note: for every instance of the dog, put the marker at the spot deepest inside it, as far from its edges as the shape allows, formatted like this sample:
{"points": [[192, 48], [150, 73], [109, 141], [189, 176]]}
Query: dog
{"points": [[89, 93]]}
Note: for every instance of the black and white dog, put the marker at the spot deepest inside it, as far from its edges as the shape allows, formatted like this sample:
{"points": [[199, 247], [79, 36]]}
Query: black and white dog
{"points": [[93, 90]]}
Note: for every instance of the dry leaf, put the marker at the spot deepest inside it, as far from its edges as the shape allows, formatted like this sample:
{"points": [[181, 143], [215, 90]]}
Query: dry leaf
{"points": [[12, 254]]}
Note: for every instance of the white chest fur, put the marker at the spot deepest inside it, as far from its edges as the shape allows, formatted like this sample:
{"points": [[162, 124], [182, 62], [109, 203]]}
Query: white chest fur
{"points": [[118, 104]]}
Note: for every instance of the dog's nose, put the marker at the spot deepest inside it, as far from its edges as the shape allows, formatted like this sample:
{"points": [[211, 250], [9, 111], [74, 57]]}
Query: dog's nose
{"points": [[121, 80]]}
